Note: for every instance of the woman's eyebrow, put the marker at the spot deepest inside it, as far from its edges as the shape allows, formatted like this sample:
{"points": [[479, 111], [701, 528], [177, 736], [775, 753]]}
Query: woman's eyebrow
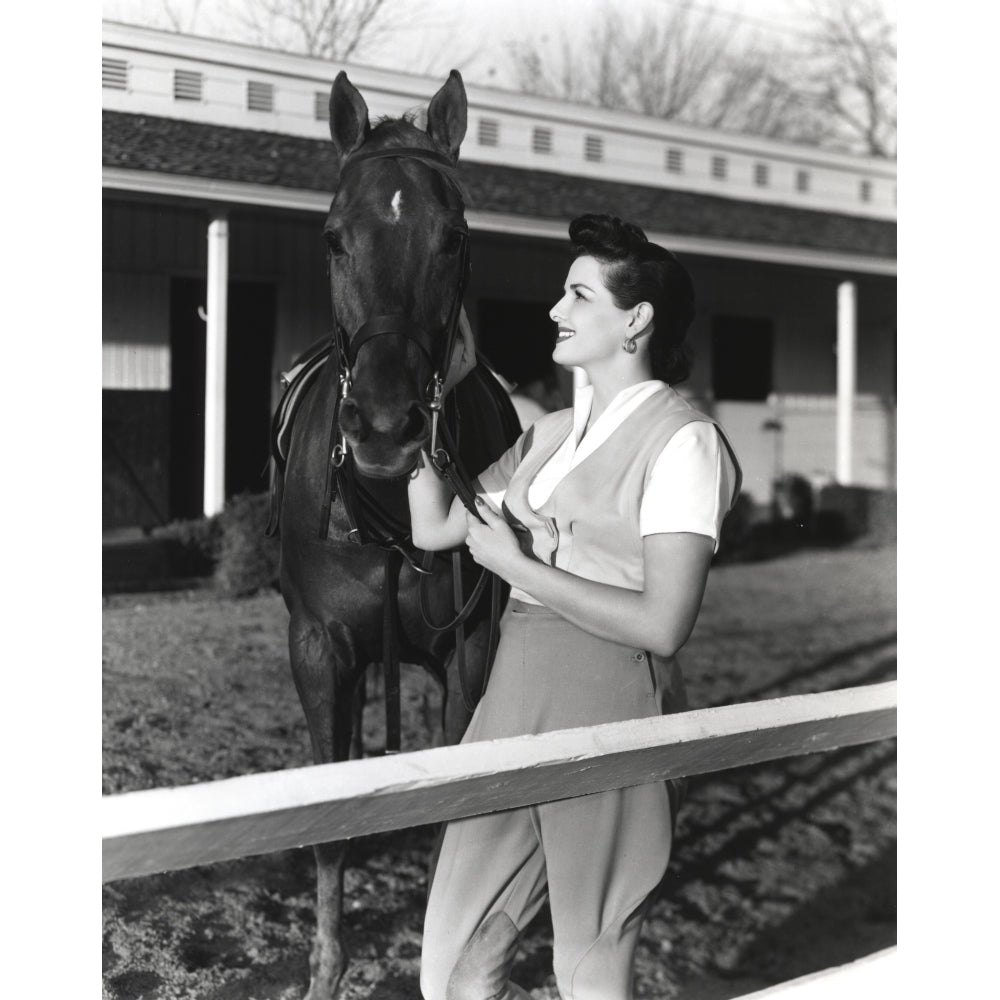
{"points": [[580, 284]]}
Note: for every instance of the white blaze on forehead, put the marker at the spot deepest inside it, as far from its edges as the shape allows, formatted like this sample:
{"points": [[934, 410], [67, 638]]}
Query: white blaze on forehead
{"points": [[397, 205]]}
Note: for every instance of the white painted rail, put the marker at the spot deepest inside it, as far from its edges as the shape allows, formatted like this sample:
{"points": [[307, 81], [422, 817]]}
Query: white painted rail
{"points": [[167, 829]]}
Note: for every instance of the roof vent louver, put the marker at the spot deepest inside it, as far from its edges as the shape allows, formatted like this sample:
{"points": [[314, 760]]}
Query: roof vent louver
{"points": [[489, 132], [187, 85], [541, 140], [593, 148], [675, 161], [114, 74], [260, 96]]}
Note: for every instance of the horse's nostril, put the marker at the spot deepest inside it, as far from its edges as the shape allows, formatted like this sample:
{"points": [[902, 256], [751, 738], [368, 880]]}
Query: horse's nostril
{"points": [[350, 419], [416, 425]]}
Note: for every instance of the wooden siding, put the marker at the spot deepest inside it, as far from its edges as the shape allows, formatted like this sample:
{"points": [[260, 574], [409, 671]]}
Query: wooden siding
{"points": [[154, 239], [135, 366], [808, 444], [135, 331]]}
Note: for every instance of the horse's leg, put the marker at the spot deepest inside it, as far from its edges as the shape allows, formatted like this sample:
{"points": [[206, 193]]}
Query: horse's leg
{"points": [[360, 699], [325, 671]]}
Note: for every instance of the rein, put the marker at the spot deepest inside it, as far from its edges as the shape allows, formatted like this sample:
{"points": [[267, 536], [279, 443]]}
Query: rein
{"points": [[341, 474]]}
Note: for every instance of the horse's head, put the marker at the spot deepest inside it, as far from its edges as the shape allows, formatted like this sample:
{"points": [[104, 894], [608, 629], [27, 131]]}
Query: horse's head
{"points": [[397, 245]]}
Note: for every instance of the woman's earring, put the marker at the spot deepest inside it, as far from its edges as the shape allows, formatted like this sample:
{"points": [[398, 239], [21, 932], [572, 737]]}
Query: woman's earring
{"points": [[629, 345]]}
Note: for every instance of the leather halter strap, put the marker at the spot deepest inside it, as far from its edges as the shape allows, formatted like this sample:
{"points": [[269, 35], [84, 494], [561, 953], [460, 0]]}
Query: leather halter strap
{"points": [[442, 164], [392, 323], [396, 152]]}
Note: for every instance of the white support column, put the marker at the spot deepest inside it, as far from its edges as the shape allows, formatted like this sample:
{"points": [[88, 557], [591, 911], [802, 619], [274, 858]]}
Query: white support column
{"points": [[215, 365], [846, 376]]}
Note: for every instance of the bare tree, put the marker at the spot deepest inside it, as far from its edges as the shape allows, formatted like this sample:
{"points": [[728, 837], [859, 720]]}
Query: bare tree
{"points": [[167, 15], [328, 29], [668, 63], [177, 17], [414, 35], [651, 65], [833, 85], [850, 74]]}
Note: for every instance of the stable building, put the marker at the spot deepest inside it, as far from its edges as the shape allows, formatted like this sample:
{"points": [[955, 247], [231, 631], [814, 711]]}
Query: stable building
{"points": [[217, 176]]}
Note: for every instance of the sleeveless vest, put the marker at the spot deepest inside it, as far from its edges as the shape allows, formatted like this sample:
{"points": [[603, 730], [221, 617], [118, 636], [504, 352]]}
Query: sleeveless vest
{"points": [[589, 526]]}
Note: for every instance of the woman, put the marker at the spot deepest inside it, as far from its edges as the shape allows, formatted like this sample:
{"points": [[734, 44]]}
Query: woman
{"points": [[611, 513]]}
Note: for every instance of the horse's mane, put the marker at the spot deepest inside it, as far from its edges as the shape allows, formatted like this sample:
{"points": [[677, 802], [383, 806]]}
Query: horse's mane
{"points": [[399, 131]]}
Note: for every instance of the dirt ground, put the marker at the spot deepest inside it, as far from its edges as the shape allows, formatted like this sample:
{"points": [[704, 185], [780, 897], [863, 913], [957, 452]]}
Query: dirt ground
{"points": [[779, 869]]}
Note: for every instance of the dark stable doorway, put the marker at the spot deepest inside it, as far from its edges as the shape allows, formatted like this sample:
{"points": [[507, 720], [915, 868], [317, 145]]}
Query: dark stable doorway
{"points": [[517, 338], [742, 357], [249, 353]]}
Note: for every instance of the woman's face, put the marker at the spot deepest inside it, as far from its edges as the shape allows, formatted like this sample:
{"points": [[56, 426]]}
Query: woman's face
{"points": [[590, 326]]}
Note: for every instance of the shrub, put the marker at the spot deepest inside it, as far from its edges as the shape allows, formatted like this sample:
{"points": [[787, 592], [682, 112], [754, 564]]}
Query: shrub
{"points": [[192, 546], [794, 500], [736, 527], [248, 560], [862, 514]]}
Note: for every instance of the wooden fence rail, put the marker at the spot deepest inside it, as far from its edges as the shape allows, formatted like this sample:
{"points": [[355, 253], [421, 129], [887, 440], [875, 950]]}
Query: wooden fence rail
{"points": [[167, 829]]}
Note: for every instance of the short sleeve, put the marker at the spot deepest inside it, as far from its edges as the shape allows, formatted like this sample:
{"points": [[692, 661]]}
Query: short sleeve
{"points": [[691, 485]]}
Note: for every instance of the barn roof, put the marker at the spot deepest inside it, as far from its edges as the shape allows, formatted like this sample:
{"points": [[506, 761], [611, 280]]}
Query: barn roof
{"points": [[213, 152]]}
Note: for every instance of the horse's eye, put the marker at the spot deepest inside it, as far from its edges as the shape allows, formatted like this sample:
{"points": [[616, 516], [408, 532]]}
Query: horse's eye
{"points": [[334, 243], [453, 241]]}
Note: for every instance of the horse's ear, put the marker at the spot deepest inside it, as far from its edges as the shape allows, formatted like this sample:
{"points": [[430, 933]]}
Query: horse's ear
{"points": [[349, 125], [447, 115]]}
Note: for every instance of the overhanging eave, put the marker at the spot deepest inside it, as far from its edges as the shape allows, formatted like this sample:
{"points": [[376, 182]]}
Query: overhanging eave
{"points": [[208, 191]]}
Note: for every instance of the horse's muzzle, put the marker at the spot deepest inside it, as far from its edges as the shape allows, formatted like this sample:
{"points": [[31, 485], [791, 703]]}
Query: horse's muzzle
{"points": [[385, 444]]}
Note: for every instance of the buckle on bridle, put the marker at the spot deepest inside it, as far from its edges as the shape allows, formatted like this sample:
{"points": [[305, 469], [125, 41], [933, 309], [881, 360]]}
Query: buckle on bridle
{"points": [[441, 460], [434, 403], [339, 452]]}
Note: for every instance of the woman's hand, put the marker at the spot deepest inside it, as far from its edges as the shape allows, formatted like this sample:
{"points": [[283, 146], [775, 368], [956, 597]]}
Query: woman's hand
{"points": [[437, 517], [493, 545]]}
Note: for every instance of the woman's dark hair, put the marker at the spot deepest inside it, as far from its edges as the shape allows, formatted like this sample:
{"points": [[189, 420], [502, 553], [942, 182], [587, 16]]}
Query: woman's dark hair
{"points": [[639, 271]]}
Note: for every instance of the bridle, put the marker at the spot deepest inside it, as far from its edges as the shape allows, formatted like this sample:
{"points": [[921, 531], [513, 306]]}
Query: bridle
{"points": [[347, 349], [443, 451]]}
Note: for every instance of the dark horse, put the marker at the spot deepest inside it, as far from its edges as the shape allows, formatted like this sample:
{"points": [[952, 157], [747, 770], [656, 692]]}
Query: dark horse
{"points": [[397, 247]]}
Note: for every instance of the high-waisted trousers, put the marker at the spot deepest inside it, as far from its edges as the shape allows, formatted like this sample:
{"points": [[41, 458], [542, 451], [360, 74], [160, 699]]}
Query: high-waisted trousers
{"points": [[596, 858]]}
